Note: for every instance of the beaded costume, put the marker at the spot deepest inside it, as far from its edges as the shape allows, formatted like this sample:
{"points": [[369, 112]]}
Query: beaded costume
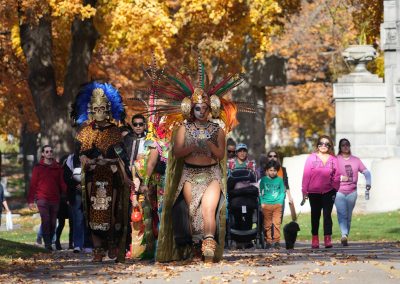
{"points": [[182, 227], [145, 231], [104, 190], [200, 177]]}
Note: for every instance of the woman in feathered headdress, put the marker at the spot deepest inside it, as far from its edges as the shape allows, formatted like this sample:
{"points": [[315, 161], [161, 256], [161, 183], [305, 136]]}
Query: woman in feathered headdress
{"points": [[105, 191], [193, 211]]}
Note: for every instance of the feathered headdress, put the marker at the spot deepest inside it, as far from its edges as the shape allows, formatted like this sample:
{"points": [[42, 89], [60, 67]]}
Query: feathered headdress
{"points": [[176, 93], [80, 109]]}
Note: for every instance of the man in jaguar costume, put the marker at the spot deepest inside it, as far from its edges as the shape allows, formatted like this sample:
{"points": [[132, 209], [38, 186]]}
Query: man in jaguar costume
{"points": [[105, 176]]}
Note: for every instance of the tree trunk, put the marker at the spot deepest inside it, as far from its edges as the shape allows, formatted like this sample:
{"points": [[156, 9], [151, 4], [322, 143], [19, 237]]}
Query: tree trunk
{"points": [[29, 149], [50, 108], [252, 128], [84, 37]]}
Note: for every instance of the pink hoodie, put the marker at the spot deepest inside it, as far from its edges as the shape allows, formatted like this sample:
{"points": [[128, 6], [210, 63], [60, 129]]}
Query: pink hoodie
{"points": [[320, 178]]}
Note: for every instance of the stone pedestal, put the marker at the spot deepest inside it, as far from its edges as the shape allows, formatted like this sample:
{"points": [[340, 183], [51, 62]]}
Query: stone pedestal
{"points": [[361, 115], [367, 111]]}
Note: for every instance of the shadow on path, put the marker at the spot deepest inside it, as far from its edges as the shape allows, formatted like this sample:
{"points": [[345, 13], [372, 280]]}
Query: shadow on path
{"points": [[65, 266]]}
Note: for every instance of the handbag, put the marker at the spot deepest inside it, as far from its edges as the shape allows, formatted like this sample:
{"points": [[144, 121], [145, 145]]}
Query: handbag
{"points": [[9, 222]]}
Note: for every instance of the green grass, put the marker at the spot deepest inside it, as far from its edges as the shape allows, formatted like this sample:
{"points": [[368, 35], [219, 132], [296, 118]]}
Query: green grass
{"points": [[364, 227], [27, 233], [24, 234], [10, 250], [20, 243]]}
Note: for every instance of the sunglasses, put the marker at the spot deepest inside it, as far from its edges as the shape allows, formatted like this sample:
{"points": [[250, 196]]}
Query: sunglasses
{"points": [[272, 156], [231, 151], [48, 151], [327, 145], [140, 124]]}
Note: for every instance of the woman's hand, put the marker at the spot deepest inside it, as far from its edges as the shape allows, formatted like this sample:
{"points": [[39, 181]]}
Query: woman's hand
{"points": [[180, 150], [305, 197], [136, 183], [143, 188], [135, 202], [203, 144], [85, 160], [289, 196], [218, 151], [344, 178]]}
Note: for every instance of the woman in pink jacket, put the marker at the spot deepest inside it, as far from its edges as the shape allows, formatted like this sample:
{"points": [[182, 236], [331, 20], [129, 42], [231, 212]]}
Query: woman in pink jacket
{"points": [[321, 180]]}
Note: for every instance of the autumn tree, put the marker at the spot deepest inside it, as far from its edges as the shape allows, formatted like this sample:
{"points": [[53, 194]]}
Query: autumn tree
{"points": [[312, 45]]}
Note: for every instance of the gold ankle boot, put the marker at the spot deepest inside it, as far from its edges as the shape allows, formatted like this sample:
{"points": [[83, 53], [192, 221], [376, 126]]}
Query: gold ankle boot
{"points": [[208, 249]]}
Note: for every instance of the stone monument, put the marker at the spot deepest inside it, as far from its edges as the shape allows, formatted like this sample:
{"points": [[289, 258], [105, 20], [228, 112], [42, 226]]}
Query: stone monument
{"points": [[368, 113]]}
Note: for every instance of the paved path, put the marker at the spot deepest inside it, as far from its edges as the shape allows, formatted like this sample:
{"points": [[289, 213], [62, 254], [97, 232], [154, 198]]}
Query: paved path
{"points": [[359, 263]]}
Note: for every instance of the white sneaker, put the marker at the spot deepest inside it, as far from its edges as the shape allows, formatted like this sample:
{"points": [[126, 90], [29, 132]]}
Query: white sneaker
{"points": [[77, 250], [87, 250]]}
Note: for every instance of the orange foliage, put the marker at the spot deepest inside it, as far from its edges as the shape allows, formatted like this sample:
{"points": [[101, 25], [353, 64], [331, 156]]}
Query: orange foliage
{"points": [[312, 44], [16, 105]]}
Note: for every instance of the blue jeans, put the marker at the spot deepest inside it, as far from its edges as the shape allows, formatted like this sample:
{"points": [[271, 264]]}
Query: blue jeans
{"points": [[344, 207], [78, 221]]}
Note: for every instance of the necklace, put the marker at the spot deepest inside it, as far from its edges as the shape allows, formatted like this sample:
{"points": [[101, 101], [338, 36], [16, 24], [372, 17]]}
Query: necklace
{"points": [[200, 132], [205, 125]]}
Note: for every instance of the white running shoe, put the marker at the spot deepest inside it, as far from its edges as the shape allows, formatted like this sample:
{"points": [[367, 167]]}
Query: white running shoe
{"points": [[87, 250], [77, 250]]}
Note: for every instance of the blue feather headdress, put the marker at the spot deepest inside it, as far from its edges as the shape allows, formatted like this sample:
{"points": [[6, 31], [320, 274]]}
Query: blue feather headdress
{"points": [[80, 107]]}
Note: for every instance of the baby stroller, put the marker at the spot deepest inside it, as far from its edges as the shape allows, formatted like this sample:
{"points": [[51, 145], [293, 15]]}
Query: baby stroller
{"points": [[243, 224]]}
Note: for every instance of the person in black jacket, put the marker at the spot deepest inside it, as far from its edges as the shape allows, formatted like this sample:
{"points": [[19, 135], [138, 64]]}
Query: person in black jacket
{"points": [[81, 239], [64, 212]]}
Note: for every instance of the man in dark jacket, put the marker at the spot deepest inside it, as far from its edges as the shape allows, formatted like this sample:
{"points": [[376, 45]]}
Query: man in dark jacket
{"points": [[47, 184]]}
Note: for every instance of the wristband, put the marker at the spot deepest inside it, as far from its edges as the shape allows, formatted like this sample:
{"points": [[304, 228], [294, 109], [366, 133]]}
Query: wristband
{"points": [[146, 181]]}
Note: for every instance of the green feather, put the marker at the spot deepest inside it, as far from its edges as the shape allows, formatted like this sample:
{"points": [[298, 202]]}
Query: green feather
{"points": [[181, 84], [226, 87]]}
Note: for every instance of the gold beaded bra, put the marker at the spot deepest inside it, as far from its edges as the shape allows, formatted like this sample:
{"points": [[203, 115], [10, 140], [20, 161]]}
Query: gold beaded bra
{"points": [[199, 135]]}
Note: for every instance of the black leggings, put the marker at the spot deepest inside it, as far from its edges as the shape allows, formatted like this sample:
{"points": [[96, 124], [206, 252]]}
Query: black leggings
{"points": [[323, 202], [60, 227]]}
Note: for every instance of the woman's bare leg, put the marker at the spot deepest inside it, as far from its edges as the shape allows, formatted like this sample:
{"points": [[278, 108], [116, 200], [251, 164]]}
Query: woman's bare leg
{"points": [[187, 193], [209, 204]]}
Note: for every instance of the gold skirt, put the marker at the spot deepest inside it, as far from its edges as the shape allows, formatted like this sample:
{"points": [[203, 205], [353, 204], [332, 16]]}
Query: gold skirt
{"points": [[200, 178]]}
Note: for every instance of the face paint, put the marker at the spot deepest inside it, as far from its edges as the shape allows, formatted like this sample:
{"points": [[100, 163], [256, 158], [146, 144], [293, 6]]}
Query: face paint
{"points": [[200, 111], [99, 105], [99, 111]]}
